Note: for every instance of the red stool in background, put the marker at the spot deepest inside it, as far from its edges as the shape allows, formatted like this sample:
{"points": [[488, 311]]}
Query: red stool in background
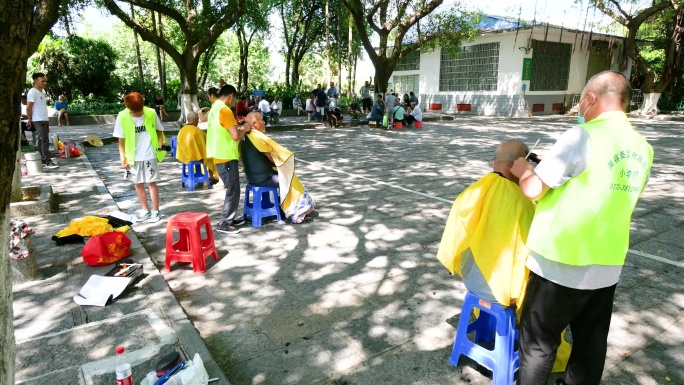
{"points": [[398, 126], [190, 247], [418, 124]]}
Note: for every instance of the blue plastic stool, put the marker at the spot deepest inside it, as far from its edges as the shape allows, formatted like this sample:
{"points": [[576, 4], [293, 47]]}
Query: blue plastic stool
{"points": [[262, 205], [194, 173], [494, 321], [174, 145]]}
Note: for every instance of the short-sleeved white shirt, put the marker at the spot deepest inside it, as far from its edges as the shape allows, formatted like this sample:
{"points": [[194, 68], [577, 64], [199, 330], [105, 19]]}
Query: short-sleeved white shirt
{"points": [[143, 147], [39, 113]]}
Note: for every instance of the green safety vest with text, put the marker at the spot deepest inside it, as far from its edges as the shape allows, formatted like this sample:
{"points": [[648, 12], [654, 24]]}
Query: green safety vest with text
{"points": [[128, 127], [220, 145], [586, 221]]}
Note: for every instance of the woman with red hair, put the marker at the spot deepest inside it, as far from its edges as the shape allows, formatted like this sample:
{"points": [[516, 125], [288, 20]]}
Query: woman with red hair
{"points": [[140, 134]]}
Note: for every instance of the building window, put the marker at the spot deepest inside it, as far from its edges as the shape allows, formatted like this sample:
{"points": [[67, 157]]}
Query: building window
{"points": [[403, 84], [408, 62], [550, 66], [474, 68]]}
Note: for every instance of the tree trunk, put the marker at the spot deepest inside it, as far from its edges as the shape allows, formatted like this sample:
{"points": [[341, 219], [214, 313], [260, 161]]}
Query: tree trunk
{"points": [[187, 100], [288, 60], [350, 89], [327, 40], [159, 62], [650, 106], [356, 60], [382, 76], [137, 55], [16, 180], [163, 58]]}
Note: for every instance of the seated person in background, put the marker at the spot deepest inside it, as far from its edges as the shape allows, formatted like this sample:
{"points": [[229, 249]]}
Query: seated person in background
{"points": [[408, 118], [378, 110], [485, 235], [398, 112], [310, 106], [297, 104], [260, 154], [62, 108], [192, 146], [159, 107], [354, 109], [335, 117], [203, 113], [251, 103], [276, 107], [265, 108], [416, 113], [241, 110]]}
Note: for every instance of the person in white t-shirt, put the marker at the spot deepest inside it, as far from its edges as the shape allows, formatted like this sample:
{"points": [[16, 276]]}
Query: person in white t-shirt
{"points": [[333, 102], [276, 108], [37, 118], [141, 134], [310, 106]]}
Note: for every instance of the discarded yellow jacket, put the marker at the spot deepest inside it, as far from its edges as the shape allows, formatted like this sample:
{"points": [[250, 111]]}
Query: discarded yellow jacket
{"points": [[492, 217], [192, 146], [86, 227]]}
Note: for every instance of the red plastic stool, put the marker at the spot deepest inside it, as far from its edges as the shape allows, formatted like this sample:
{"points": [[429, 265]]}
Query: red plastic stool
{"points": [[190, 247], [418, 124], [398, 126]]}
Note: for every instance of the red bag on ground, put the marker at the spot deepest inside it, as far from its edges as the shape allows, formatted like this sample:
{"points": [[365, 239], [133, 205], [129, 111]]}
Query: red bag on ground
{"points": [[105, 249]]}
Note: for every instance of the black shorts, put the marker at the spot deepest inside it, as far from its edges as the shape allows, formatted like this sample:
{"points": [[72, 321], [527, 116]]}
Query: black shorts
{"points": [[367, 103]]}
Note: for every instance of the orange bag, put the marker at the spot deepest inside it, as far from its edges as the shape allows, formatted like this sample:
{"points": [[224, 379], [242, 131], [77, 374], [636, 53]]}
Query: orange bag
{"points": [[105, 249]]}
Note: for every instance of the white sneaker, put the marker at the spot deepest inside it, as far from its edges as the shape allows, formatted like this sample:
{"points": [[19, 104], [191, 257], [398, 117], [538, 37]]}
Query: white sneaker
{"points": [[144, 215], [155, 216]]}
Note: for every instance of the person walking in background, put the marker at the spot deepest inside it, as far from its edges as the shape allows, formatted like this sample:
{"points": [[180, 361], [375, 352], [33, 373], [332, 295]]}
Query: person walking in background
{"points": [[587, 186], [141, 134], [62, 108], [37, 117]]}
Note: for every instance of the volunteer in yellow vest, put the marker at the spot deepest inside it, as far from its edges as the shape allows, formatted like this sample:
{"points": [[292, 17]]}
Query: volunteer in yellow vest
{"points": [[140, 134], [192, 146], [587, 186], [223, 136]]}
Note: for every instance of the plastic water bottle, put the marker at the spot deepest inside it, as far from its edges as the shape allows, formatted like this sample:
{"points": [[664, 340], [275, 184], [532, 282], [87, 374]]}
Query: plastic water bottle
{"points": [[124, 373]]}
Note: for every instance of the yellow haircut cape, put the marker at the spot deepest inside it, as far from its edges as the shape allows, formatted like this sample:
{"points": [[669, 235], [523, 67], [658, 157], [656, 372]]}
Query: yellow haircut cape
{"points": [[492, 218], [89, 226], [192, 147], [284, 161]]}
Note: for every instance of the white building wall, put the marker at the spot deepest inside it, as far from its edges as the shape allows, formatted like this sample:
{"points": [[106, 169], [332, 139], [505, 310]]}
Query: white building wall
{"points": [[509, 98]]}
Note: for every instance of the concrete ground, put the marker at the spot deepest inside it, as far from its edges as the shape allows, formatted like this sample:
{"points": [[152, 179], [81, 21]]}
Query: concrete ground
{"points": [[357, 296]]}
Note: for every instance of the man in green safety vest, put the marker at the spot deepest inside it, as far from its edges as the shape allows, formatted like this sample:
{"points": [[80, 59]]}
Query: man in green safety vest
{"points": [[587, 186], [141, 135], [223, 136]]}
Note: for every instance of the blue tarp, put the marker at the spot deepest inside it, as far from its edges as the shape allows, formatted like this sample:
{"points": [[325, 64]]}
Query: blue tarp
{"points": [[490, 23]]}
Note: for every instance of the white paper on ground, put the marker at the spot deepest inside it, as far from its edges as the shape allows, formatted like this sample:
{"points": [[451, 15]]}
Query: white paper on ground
{"points": [[123, 216], [98, 290]]}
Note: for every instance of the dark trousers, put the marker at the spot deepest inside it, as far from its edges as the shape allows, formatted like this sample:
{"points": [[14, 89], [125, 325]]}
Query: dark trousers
{"points": [[548, 309], [409, 119], [272, 181], [42, 130], [230, 175]]}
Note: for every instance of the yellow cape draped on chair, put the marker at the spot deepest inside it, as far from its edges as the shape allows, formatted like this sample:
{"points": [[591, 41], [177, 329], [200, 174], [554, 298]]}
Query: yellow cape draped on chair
{"points": [[192, 146], [492, 218]]}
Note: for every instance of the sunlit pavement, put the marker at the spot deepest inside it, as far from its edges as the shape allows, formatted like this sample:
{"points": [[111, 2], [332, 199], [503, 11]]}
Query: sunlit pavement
{"points": [[357, 296]]}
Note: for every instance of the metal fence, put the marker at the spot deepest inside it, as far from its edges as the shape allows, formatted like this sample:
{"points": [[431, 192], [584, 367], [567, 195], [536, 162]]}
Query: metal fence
{"points": [[635, 103]]}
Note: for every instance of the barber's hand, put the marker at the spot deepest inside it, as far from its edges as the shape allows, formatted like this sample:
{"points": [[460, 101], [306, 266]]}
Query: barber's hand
{"points": [[125, 165], [520, 167], [28, 123]]}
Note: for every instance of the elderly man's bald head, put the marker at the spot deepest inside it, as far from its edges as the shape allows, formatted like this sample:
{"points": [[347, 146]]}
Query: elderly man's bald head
{"points": [[612, 87], [506, 154], [192, 118], [256, 121]]}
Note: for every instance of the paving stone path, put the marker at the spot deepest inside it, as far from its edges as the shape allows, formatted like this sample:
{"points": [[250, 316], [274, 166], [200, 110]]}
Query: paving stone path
{"points": [[358, 297]]}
